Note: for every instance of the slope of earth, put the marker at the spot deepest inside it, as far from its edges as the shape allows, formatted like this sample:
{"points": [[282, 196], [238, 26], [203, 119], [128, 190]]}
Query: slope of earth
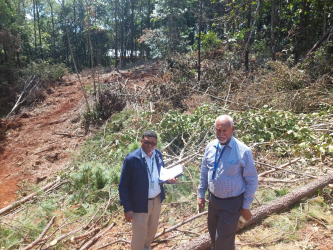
{"points": [[39, 143]]}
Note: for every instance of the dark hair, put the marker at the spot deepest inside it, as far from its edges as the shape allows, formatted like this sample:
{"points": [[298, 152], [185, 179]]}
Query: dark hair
{"points": [[149, 133]]}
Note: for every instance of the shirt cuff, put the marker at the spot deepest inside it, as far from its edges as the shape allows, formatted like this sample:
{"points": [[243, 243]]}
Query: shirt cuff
{"points": [[202, 193], [246, 204]]}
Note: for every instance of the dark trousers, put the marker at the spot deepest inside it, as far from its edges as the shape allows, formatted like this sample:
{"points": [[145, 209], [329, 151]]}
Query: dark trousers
{"points": [[223, 216]]}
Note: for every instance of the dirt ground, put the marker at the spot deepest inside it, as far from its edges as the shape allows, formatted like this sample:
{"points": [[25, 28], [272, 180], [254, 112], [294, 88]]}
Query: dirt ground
{"points": [[39, 142]]}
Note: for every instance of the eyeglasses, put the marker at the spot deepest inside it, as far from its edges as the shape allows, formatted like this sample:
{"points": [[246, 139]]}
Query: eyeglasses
{"points": [[153, 144]]}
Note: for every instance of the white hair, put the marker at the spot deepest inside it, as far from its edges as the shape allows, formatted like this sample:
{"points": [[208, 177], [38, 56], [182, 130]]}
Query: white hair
{"points": [[225, 117]]}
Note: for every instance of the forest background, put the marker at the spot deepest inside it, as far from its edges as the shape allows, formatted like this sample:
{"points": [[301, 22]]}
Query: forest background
{"points": [[266, 63]]}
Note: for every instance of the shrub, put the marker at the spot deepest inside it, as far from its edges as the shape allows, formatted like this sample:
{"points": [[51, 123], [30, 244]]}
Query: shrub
{"points": [[209, 41], [288, 78], [110, 102], [45, 71]]}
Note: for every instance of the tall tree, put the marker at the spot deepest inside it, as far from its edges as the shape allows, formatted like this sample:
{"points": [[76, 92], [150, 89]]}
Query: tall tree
{"points": [[116, 34], [272, 30], [199, 41], [39, 33], [132, 29]]}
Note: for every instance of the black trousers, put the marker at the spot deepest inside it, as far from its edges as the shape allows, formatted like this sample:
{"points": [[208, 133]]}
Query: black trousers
{"points": [[223, 216]]}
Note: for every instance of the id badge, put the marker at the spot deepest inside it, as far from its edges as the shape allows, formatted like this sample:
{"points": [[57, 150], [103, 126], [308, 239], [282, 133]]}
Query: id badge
{"points": [[152, 184], [211, 186]]}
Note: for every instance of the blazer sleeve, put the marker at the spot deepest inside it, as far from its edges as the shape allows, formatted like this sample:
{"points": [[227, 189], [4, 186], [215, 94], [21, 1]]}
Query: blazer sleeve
{"points": [[124, 185]]}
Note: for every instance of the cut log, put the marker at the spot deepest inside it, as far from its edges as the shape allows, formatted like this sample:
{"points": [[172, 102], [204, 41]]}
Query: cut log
{"points": [[203, 242], [25, 199]]}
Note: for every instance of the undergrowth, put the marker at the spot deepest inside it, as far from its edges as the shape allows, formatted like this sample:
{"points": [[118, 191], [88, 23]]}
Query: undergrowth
{"points": [[92, 177]]}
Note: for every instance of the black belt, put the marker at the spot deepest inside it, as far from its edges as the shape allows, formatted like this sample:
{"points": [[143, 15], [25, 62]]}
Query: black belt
{"points": [[228, 198], [153, 197]]}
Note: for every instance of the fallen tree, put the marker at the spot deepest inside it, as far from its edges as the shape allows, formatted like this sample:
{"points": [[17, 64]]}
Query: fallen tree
{"points": [[27, 198], [203, 242]]}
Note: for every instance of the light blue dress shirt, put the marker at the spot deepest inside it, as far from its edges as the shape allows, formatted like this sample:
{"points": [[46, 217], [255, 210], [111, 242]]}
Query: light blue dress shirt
{"points": [[235, 173]]}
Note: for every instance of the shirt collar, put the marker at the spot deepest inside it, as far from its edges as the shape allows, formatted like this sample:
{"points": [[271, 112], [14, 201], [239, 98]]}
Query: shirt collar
{"points": [[145, 155]]}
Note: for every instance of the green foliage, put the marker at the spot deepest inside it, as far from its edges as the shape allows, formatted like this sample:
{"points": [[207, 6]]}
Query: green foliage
{"points": [[209, 41], [157, 42], [93, 176], [320, 62], [262, 51], [93, 115], [25, 188], [269, 125], [45, 71], [96, 169], [173, 124]]}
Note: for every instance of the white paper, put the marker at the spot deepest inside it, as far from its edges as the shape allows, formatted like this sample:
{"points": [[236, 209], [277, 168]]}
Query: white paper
{"points": [[168, 173]]}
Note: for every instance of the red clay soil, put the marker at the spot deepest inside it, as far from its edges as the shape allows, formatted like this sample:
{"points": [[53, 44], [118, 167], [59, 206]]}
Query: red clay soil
{"points": [[38, 143]]}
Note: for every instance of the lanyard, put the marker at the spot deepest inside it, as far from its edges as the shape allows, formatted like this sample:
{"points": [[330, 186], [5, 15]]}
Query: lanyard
{"points": [[152, 167], [216, 163]]}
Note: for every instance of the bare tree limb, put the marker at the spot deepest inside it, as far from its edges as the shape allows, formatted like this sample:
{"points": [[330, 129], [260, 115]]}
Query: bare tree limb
{"points": [[279, 168], [25, 199], [40, 238], [24, 94], [320, 41], [95, 239], [180, 224], [282, 166], [93, 231], [114, 242]]}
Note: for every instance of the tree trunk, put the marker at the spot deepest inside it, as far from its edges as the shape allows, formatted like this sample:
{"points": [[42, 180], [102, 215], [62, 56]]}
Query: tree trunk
{"points": [[73, 59], [171, 30], [132, 29], [18, 59], [250, 35], [199, 42], [324, 18], [89, 14], [298, 46], [116, 38], [35, 32], [272, 30], [203, 242], [122, 39], [53, 34], [148, 27], [248, 26], [40, 36], [141, 28]]}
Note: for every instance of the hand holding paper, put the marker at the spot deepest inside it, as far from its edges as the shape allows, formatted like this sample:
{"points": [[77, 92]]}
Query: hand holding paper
{"points": [[171, 174], [173, 180]]}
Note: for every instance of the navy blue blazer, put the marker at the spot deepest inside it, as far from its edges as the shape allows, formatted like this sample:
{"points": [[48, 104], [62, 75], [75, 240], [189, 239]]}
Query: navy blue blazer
{"points": [[134, 184]]}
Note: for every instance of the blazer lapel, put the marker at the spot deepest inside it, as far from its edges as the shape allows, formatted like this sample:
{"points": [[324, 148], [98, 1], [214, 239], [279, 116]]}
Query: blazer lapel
{"points": [[141, 159]]}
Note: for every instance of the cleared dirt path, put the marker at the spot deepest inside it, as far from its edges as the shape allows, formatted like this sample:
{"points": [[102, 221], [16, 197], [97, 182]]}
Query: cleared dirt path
{"points": [[39, 143]]}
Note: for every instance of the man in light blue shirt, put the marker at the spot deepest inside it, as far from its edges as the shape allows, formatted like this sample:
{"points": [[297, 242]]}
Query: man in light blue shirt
{"points": [[229, 172]]}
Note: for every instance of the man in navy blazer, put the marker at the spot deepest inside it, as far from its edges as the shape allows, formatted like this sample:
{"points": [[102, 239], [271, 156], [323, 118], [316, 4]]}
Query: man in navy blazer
{"points": [[140, 192]]}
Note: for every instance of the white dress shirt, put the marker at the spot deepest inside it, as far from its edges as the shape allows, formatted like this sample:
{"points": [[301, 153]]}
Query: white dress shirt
{"points": [[153, 176]]}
